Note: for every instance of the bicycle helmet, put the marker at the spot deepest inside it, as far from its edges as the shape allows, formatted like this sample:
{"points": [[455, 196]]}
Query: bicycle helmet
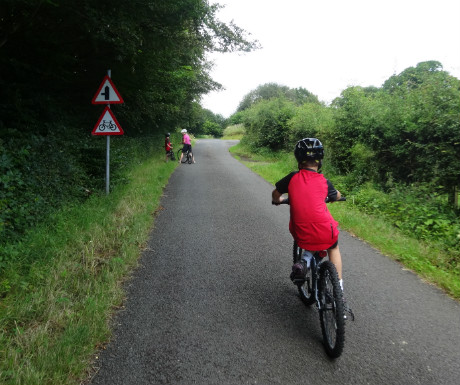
{"points": [[183, 131], [167, 134], [308, 149]]}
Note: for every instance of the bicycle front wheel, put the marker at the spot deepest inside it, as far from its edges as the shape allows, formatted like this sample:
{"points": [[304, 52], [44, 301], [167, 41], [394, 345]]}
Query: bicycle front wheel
{"points": [[331, 313], [305, 289]]}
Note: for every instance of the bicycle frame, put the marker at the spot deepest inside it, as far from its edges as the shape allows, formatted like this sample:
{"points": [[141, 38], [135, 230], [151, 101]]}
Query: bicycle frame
{"points": [[316, 259], [314, 266]]}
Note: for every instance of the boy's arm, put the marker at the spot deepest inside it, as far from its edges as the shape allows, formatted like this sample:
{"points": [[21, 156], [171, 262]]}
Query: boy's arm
{"points": [[281, 187], [332, 194], [276, 197]]}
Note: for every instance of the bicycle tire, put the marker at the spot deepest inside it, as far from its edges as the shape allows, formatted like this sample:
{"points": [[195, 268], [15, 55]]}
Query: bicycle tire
{"points": [[331, 313], [296, 253], [189, 157]]}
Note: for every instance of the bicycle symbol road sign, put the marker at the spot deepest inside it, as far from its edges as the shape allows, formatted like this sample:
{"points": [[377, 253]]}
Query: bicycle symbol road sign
{"points": [[107, 93], [107, 124]]}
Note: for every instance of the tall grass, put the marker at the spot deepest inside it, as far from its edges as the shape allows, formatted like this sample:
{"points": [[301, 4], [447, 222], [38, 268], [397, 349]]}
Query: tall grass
{"points": [[235, 131], [55, 311], [429, 260]]}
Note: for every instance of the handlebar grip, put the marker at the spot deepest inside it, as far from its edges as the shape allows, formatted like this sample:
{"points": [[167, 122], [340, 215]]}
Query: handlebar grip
{"points": [[338, 200], [283, 202]]}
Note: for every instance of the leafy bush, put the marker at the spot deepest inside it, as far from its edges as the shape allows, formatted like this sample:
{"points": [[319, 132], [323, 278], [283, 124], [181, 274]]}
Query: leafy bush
{"points": [[47, 173], [311, 120], [212, 128], [411, 126], [416, 210], [267, 123]]}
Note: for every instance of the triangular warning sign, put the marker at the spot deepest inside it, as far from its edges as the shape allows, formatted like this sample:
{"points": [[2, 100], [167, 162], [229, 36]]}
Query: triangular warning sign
{"points": [[107, 93], [107, 124]]}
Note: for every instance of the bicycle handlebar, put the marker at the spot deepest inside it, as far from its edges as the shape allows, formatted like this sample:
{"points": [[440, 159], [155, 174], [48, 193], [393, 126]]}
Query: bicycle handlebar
{"points": [[342, 199], [286, 201]]}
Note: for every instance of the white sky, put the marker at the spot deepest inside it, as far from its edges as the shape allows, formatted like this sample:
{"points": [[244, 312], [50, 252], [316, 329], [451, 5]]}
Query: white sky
{"points": [[326, 46]]}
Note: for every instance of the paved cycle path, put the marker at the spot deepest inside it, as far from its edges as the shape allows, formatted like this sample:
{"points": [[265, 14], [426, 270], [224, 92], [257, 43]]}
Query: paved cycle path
{"points": [[212, 302]]}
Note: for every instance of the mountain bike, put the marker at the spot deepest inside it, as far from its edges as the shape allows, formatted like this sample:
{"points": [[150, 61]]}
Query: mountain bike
{"points": [[170, 154], [321, 286], [188, 156]]}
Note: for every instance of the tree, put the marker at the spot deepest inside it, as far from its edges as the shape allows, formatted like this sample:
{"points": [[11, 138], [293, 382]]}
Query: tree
{"points": [[409, 130], [426, 139], [267, 123], [54, 54], [268, 91]]}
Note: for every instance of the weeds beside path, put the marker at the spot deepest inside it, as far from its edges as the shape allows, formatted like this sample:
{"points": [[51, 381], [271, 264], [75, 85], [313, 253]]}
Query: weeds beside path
{"points": [[59, 295]]}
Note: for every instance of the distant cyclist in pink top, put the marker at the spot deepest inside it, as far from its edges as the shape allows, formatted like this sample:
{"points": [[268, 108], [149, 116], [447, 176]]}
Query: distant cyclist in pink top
{"points": [[187, 145]]}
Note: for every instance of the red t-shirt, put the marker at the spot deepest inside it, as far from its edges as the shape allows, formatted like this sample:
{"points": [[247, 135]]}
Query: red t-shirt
{"points": [[311, 223], [167, 144]]}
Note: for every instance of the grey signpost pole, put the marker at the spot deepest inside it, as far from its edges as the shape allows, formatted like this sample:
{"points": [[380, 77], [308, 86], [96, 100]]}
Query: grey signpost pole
{"points": [[107, 167]]}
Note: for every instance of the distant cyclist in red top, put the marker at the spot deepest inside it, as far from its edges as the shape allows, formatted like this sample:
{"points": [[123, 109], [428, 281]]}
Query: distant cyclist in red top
{"points": [[311, 225], [168, 147]]}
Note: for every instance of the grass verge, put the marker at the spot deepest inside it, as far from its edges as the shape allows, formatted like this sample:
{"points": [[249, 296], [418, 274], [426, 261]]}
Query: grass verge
{"points": [[420, 257], [55, 311], [235, 131]]}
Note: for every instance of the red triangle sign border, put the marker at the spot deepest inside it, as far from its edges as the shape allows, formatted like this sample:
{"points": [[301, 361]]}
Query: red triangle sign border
{"points": [[107, 78], [95, 132]]}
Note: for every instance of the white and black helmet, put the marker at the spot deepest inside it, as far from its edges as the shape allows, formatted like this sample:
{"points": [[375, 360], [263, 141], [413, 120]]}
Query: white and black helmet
{"points": [[308, 149]]}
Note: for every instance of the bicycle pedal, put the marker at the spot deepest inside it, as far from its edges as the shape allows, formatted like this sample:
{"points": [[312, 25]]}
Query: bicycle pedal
{"points": [[298, 281]]}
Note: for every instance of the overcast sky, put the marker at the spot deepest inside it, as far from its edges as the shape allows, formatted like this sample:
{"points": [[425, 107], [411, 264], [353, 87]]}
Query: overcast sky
{"points": [[326, 46]]}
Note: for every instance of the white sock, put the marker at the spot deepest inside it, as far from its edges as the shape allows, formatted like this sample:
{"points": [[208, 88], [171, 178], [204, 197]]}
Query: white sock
{"points": [[341, 283]]}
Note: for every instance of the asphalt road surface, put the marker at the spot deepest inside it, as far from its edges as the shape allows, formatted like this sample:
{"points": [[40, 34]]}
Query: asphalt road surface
{"points": [[212, 302]]}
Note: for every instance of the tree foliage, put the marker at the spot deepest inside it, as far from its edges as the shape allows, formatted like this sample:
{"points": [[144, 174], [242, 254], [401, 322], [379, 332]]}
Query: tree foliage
{"points": [[55, 53], [53, 56], [395, 149], [267, 122], [269, 91], [407, 131], [411, 126]]}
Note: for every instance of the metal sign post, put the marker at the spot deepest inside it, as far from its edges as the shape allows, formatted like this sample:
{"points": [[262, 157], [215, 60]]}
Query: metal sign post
{"points": [[107, 160], [107, 168]]}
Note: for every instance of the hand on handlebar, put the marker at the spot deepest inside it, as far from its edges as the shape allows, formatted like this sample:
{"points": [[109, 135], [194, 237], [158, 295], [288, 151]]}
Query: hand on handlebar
{"points": [[341, 199], [283, 201]]}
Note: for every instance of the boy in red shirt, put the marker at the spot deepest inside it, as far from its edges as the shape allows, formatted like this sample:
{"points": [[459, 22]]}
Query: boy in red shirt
{"points": [[311, 225], [168, 147]]}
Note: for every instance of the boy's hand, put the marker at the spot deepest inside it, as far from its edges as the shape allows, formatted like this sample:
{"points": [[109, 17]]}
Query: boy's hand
{"points": [[277, 198]]}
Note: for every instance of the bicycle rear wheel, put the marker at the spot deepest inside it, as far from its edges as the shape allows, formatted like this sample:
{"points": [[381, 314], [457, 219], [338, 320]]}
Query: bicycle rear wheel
{"points": [[305, 289], [189, 157], [331, 313]]}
